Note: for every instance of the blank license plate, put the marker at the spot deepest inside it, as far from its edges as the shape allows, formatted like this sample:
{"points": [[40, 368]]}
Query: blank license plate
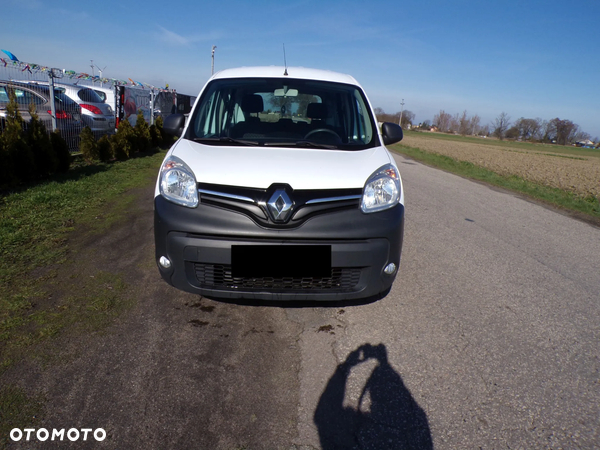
{"points": [[277, 261]]}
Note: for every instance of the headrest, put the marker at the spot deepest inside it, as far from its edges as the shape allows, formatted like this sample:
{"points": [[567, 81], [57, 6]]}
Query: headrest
{"points": [[316, 111], [252, 103]]}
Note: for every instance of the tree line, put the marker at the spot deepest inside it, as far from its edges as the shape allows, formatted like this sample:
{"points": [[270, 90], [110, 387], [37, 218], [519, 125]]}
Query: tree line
{"points": [[559, 131]]}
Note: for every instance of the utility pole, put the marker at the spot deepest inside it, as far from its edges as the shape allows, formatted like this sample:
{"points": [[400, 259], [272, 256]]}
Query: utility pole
{"points": [[212, 69], [401, 112]]}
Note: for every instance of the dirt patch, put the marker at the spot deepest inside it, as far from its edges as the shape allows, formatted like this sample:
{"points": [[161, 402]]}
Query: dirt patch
{"points": [[577, 174], [174, 370]]}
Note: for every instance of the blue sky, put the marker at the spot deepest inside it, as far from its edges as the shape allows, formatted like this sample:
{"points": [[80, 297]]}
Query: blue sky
{"points": [[526, 58]]}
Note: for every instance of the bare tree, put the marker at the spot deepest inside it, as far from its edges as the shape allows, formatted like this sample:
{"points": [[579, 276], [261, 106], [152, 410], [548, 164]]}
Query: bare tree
{"points": [[581, 136], [565, 131], [528, 128], [474, 125], [547, 133], [382, 116], [442, 121], [500, 125], [512, 133], [454, 123], [464, 124], [407, 118]]}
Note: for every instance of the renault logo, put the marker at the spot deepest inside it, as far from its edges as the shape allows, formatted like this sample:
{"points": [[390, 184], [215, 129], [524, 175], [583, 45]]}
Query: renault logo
{"points": [[279, 206]]}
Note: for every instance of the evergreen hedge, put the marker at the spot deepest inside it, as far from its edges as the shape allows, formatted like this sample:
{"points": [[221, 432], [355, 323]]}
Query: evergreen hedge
{"points": [[28, 152]]}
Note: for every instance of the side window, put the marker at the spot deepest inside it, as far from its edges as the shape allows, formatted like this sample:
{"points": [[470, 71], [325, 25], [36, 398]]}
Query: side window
{"points": [[25, 97], [89, 95], [364, 130], [213, 116], [4, 95], [101, 94], [238, 114]]}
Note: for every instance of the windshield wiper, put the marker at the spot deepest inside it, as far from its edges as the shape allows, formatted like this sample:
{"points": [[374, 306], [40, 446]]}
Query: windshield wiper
{"points": [[310, 144], [225, 140]]}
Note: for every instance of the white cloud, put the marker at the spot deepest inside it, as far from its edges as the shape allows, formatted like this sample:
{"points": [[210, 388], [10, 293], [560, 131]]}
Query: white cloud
{"points": [[170, 37]]}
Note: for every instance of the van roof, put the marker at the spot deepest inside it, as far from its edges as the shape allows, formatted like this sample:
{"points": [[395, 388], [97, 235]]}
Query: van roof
{"points": [[292, 72]]}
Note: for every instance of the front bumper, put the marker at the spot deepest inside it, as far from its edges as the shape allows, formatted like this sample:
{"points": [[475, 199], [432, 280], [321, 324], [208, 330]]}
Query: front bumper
{"points": [[198, 243]]}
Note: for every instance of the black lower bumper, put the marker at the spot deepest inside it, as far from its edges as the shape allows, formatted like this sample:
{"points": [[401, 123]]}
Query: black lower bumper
{"points": [[198, 243]]}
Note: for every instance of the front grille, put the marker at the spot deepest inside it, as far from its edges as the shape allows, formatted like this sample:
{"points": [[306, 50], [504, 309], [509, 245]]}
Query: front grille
{"points": [[252, 202], [342, 279]]}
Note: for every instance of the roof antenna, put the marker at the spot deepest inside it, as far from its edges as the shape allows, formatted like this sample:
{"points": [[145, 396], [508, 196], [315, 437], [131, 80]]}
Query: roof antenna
{"points": [[285, 74]]}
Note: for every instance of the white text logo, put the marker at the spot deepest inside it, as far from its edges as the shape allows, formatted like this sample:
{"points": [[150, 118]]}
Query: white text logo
{"points": [[42, 434]]}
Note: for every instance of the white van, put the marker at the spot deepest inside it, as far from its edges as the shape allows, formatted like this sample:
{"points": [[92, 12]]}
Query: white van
{"points": [[280, 188]]}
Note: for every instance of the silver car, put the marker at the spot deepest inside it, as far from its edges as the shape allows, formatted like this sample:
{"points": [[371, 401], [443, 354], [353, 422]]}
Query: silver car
{"points": [[96, 114], [68, 112]]}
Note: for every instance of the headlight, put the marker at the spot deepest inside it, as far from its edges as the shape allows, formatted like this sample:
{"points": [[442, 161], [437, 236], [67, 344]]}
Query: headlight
{"points": [[178, 183], [382, 190]]}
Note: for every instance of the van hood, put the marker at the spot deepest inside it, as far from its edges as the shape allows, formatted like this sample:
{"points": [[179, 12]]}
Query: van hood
{"points": [[260, 167]]}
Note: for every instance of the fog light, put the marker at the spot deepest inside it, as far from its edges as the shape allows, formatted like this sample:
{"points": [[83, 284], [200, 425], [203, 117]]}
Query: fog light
{"points": [[164, 262], [390, 268]]}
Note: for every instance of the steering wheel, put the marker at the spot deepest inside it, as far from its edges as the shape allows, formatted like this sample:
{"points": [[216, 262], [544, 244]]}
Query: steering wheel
{"points": [[323, 130]]}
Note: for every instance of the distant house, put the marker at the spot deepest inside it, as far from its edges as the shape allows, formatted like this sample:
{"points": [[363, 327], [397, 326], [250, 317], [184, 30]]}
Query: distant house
{"points": [[585, 144]]}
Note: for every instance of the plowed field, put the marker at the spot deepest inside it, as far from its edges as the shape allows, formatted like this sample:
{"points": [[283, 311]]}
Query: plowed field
{"points": [[574, 170]]}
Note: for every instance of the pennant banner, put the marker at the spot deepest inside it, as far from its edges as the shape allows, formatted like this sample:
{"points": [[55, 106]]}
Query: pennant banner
{"points": [[71, 74]]}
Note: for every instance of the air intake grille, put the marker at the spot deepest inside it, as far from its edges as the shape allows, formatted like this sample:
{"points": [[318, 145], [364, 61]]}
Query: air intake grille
{"points": [[219, 276]]}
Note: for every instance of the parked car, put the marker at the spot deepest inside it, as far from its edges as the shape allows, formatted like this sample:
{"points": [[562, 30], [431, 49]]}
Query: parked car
{"points": [[68, 112], [107, 95], [97, 114], [280, 187]]}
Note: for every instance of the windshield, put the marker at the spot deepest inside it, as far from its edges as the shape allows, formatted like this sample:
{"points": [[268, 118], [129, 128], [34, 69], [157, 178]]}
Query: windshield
{"points": [[283, 112]]}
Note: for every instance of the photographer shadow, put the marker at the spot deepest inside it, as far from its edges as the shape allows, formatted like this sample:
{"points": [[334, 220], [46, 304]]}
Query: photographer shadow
{"points": [[393, 421]]}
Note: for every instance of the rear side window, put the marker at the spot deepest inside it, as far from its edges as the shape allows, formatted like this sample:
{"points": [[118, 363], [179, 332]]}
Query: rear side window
{"points": [[89, 95], [101, 94]]}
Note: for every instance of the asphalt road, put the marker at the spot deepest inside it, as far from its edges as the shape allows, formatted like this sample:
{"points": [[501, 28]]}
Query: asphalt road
{"points": [[489, 339]]}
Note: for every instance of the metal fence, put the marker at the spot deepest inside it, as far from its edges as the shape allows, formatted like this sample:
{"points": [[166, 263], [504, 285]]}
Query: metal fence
{"points": [[68, 101]]}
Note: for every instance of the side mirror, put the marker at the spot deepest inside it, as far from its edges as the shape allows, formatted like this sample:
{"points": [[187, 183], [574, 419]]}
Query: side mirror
{"points": [[174, 124], [391, 133]]}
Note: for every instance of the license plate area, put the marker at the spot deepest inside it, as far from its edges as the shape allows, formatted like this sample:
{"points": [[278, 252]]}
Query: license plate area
{"points": [[278, 261]]}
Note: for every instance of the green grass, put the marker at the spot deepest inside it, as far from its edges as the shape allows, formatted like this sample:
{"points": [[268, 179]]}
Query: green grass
{"points": [[17, 408], [35, 221], [588, 206], [34, 226]]}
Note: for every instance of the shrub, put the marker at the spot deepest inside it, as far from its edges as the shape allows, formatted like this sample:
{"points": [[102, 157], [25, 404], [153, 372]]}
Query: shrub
{"points": [[164, 137], [124, 141], [105, 152], [88, 145], [7, 172], [38, 141], [142, 132], [14, 144], [156, 135], [61, 149], [159, 122]]}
